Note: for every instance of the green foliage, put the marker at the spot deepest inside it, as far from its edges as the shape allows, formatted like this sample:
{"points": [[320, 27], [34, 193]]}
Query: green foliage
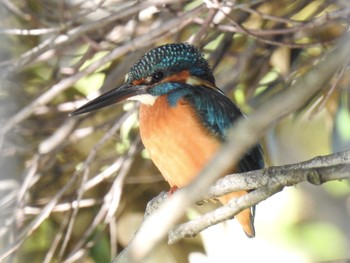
{"points": [[101, 251], [320, 241]]}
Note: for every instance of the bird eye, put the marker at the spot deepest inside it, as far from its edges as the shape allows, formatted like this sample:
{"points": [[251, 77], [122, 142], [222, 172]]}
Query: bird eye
{"points": [[157, 76]]}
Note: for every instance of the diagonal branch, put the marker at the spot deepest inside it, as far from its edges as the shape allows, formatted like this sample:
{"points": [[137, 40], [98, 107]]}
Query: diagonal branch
{"points": [[270, 181], [267, 181], [259, 178]]}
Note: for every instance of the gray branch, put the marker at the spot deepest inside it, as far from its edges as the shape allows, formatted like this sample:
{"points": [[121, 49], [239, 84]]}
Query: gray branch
{"points": [[268, 182]]}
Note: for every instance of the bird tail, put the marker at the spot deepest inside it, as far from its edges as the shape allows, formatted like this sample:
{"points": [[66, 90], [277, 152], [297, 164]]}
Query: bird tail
{"points": [[246, 217]]}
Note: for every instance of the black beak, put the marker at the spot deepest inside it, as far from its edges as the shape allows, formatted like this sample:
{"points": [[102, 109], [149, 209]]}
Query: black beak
{"points": [[114, 96]]}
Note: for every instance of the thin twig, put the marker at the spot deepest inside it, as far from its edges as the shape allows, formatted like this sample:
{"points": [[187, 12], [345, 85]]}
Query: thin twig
{"points": [[321, 104], [57, 41], [109, 207]]}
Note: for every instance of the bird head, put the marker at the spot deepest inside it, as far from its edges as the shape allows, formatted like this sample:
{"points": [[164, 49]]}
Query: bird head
{"points": [[160, 71]]}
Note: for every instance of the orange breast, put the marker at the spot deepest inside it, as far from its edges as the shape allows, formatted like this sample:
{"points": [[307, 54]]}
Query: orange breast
{"points": [[175, 140], [180, 147]]}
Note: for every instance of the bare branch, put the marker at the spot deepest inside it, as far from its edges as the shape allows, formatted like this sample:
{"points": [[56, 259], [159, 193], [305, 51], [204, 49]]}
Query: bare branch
{"points": [[269, 181], [258, 178], [56, 41]]}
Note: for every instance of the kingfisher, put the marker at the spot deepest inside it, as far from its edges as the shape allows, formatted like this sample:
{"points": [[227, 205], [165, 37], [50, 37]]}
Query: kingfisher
{"points": [[183, 117]]}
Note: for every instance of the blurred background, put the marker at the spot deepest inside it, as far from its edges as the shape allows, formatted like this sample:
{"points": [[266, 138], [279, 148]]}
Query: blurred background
{"points": [[75, 189]]}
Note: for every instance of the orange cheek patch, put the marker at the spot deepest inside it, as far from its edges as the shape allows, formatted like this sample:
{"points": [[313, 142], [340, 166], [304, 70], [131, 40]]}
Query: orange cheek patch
{"points": [[178, 77], [138, 81]]}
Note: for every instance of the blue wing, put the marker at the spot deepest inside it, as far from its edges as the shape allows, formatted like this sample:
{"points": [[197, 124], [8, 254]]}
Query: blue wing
{"points": [[218, 113]]}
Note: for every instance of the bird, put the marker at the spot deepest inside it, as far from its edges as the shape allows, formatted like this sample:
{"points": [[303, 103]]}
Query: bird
{"points": [[183, 116]]}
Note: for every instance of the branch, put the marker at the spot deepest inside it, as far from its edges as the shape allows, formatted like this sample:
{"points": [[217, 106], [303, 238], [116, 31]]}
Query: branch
{"points": [[259, 34], [258, 178], [243, 135], [269, 181]]}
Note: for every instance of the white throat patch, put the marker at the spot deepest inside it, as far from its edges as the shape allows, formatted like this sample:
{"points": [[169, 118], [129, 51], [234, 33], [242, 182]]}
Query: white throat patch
{"points": [[144, 98]]}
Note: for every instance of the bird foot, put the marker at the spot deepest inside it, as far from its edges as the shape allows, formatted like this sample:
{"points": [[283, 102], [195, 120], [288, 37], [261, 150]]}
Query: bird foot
{"points": [[172, 190], [156, 202]]}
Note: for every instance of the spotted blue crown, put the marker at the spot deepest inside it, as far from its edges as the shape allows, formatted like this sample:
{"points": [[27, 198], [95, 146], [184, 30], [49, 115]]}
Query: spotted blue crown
{"points": [[170, 59]]}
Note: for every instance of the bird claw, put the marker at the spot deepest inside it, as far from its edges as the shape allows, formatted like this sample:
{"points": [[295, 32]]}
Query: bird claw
{"points": [[156, 202], [172, 190]]}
